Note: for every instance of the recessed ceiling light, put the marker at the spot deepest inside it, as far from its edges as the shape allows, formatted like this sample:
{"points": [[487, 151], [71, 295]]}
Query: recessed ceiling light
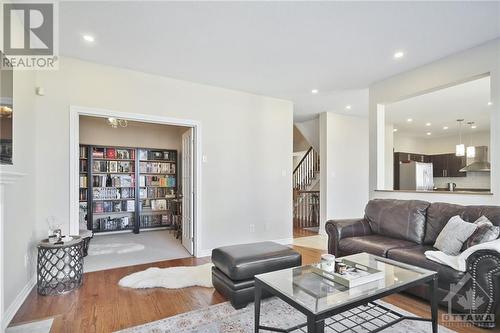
{"points": [[490, 103], [314, 91], [88, 38], [395, 130], [348, 107], [399, 54], [409, 120], [428, 124], [428, 133], [445, 128], [473, 126]]}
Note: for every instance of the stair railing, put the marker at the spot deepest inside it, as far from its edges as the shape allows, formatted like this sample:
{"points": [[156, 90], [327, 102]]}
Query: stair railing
{"points": [[306, 209], [306, 170]]}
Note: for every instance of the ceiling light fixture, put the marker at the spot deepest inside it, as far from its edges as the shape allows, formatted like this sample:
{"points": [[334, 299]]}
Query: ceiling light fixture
{"points": [[460, 148], [471, 150], [314, 91], [89, 38], [399, 55], [348, 107], [428, 124], [409, 120], [429, 133], [445, 128], [490, 103], [115, 122], [473, 127], [395, 130]]}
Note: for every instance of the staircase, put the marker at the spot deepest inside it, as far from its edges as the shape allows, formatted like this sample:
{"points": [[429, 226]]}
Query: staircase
{"points": [[305, 199]]}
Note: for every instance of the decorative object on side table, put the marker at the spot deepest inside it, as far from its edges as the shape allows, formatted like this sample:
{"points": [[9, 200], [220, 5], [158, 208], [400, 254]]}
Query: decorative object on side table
{"points": [[60, 265], [86, 235]]}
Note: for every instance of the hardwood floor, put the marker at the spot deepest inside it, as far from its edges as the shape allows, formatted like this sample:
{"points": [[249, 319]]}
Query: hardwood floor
{"points": [[299, 232], [100, 305]]}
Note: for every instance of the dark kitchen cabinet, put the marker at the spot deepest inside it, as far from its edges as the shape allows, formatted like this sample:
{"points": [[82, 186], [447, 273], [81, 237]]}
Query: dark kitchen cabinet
{"points": [[448, 165]]}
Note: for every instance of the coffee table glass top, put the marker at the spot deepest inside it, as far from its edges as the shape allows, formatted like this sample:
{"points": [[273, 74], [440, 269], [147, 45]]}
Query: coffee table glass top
{"points": [[317, 294]]}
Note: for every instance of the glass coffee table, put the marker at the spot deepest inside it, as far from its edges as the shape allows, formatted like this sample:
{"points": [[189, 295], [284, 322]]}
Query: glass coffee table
{"points": [[328, 304]]}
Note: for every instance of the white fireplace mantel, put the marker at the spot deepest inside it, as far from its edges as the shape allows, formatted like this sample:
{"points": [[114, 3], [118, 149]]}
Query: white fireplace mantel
{"points": [[9, 177]]}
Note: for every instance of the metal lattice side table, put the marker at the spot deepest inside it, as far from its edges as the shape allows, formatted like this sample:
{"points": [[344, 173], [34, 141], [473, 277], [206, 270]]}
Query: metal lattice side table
{"points": [[60, 267]]}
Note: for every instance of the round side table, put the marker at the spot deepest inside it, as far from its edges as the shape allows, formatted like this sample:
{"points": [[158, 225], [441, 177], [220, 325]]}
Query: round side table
{"points": [[60, 267]]}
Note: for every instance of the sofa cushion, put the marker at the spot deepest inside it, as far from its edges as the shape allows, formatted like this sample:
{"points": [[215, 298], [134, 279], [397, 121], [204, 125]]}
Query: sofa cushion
{"points": [[415, 256], [403, 219], [485, 232], [374, 244], [243, 262], [438, 214], [472, 213], [453, 236]]}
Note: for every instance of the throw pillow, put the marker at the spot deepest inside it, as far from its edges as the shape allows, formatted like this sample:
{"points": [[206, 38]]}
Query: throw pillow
{"points": [[485, 232], [454, 234]]}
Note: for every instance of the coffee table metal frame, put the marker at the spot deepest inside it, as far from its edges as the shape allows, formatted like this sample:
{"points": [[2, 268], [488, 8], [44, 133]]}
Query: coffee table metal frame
{"points": [[316, 321]]}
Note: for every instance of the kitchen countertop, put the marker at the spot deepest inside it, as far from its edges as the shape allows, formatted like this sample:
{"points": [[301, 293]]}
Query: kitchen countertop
{"points": [[444, 191]]}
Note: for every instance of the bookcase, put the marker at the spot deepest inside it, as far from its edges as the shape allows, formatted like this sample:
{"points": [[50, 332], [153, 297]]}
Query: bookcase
{"points": [[127, 188]]}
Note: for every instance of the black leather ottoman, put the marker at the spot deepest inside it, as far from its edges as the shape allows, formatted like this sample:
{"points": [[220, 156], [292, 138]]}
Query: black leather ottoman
{"points": [[235, 267]]}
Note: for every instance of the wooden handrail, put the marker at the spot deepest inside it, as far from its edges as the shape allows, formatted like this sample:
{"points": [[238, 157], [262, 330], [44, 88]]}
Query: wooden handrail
{"points": [[300, 191], [303, 158]]}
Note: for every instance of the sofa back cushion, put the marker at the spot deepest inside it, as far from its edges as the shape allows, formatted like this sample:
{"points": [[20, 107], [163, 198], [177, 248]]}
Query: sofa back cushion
{"points": [[472, 213], [438, 214], [403, 219]]}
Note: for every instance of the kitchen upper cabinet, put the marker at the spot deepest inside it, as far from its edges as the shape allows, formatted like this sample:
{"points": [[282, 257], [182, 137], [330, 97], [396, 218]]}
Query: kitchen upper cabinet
{"points": [[448, 165]]}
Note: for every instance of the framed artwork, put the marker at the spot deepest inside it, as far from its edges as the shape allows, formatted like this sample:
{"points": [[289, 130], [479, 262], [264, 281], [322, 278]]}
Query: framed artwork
{"points": [[6, 110]]}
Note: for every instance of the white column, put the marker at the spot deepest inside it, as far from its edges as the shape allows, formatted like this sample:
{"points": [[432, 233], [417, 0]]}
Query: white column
{"points": [[6, 178]]}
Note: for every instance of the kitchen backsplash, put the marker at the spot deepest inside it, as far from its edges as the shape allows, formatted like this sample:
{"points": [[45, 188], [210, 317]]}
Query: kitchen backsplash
{"points": [[479, 180]]}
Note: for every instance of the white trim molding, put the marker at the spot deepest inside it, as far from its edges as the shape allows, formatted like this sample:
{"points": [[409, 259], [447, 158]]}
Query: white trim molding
{"points": [[18, 301], [10, 177], [7, 177], [76, 111]]}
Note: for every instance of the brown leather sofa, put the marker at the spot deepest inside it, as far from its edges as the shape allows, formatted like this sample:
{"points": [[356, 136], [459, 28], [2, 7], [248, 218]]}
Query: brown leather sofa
{"points": [[404, 229]]}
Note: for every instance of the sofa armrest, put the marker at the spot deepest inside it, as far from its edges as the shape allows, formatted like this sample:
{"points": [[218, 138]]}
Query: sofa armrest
{"points": [[339, 229], [484, 268]]}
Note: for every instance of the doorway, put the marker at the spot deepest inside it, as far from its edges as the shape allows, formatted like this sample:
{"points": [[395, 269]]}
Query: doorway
{"points": [[139, 186]]}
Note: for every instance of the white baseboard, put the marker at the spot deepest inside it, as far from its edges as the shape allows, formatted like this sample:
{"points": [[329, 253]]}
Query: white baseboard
{"points": [[208, 252], [16, 304]]}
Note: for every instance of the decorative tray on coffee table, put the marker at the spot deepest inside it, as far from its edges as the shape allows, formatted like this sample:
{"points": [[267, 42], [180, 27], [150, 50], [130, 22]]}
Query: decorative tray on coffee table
{"points": [[355, 275]]}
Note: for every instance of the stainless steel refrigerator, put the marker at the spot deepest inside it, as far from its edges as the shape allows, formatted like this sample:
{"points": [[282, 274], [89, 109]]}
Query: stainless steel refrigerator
{"points": [[416, 176]]}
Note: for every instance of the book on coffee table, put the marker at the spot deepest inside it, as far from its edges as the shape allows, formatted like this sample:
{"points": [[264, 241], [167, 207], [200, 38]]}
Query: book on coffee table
{"points": [[356, 274]]}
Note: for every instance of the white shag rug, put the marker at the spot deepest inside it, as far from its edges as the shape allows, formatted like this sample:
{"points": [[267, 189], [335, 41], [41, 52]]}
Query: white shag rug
{"points": [[120, 248], [170, 278]]}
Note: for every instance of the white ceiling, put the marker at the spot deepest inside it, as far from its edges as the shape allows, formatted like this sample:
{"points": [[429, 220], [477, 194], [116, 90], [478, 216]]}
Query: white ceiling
{"points": [[468, 101], [280, 49]]}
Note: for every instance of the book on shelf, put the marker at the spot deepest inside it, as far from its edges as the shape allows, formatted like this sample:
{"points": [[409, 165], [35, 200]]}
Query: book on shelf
{"points": [[156, 167], [83, 152], [164, 181], [112, 224], [83, 165], [111, 206], [109, 193], [110, 153], [112, 166], [83, 194], [159, 204], [143, 154], [98, 152], [83, 181]]}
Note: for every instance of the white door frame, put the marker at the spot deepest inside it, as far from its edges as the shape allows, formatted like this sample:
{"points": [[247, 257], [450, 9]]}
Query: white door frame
{"points": [[74, 132]]}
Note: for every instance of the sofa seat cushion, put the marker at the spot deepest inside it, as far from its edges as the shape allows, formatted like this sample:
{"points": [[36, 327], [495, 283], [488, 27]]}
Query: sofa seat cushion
{"points": [[243, 262], [403, 219], [374, 244], [415, 256]]}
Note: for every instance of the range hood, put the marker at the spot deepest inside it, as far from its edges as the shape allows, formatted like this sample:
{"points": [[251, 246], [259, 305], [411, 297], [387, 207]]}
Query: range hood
{"points": [[480, 162]]}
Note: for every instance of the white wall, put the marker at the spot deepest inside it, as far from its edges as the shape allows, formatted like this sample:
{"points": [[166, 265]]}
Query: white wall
{"points": [[447, 71], [343, 166], [310, 130], [247, 141]]}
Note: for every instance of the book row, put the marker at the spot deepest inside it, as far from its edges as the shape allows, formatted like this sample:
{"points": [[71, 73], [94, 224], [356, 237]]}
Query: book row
{"points": [[83, 165], [113, 181], [156, 220], [156, 192], [114, 206], [100, 193], [113, 153], [83, 194], [165, 181], [112, 166], [156, 167], [83, 152], [155, 155], [112, 224]]}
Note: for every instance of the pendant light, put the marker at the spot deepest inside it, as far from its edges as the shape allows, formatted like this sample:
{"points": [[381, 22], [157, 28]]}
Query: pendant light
{"points": [[460, 148], [471, 150]]}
